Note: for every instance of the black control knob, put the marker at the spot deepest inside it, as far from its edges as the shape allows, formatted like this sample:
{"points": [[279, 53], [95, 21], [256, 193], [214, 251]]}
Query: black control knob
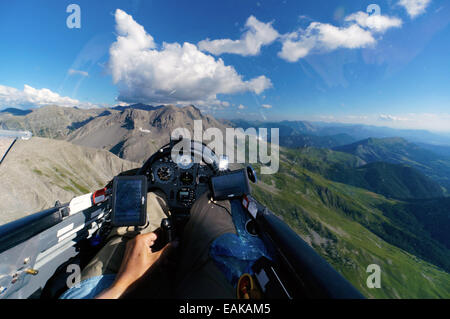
{"points": [[166, 226]]}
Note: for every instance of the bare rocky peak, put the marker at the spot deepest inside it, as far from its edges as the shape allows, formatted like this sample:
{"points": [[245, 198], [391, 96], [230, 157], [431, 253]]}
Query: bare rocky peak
{"points": [[135, 133], [132, 132]]}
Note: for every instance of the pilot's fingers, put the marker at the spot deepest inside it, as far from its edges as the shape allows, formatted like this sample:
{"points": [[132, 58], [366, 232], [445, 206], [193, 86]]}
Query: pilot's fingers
{"points": [[147, 239]]}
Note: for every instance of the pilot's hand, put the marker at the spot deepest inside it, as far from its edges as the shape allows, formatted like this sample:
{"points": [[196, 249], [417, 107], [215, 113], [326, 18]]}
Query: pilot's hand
{"points": [[137, 259]]}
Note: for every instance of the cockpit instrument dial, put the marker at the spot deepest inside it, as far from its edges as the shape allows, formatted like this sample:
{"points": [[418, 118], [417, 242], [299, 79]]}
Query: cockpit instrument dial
{"points": [[164, 173], [184, 161]]}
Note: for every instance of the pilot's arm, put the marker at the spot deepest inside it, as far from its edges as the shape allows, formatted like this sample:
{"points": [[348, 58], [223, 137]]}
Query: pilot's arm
{"points": [[137, 260]]}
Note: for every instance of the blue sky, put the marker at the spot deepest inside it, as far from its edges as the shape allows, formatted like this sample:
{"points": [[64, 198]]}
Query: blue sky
{"points": [[275, 60]]}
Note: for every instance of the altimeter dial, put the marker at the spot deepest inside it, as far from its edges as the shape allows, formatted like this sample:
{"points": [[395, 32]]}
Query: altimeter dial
{"points": [[163, 173]]}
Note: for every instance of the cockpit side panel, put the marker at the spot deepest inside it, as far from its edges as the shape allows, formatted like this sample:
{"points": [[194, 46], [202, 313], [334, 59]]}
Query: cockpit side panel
{"points": [[26, 267]]}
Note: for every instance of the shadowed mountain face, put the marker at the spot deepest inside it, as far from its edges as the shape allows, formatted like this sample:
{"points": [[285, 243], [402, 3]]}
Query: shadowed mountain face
{"points": [[14, 111], [135, 134], [400, 151], [442, 150]]}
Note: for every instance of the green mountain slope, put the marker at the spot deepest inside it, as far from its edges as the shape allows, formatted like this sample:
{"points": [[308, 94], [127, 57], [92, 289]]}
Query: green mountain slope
{"points": [[351, 228], [390, 180], [433, 215], [400, 151]]}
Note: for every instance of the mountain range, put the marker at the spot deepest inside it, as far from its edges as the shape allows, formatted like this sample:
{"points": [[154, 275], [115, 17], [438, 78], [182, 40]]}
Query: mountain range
{"points": [[49, 121], [348, 133], [356, 199], [391, 180], [135, 134], [400, 151]]}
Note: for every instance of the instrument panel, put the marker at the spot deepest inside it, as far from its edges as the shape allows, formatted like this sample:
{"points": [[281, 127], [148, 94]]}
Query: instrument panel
{"points": [[182, 180]]}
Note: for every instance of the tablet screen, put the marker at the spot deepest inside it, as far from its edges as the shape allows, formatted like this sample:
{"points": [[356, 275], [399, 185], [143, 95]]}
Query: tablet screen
{"points": [[129, 202]]}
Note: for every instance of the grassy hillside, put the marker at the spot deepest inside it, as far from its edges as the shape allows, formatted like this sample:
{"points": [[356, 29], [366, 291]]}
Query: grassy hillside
{"points": [[400, 151], [390, 180], [349, 228], [432, 214]]}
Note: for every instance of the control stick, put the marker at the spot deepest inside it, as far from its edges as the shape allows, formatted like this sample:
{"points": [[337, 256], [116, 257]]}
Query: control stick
{"points": [[165, 234], [166, 226]]}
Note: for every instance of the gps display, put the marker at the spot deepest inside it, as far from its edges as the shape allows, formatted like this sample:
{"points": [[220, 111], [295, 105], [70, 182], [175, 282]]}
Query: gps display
{"points": [[129, 201], [230, 185]]}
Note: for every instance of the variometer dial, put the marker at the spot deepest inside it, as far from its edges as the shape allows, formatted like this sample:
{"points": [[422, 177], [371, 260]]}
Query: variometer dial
{"points": [[164, 173]]}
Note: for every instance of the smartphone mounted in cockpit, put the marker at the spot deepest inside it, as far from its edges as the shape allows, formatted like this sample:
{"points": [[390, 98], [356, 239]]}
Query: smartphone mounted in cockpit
{"points": [[129, 201]]}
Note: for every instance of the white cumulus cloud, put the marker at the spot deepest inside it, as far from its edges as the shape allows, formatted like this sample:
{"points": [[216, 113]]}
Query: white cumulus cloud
{"points": [[241, 107], [414, 7], [324, 37], [266, 106], [358, 32], [257, 35], [30, 97], [173, 73], [374, 22]]}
